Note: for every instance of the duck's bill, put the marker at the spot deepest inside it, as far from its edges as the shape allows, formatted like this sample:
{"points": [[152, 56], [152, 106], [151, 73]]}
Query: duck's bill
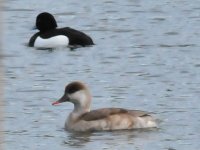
{"points": [[55, 103], [34, 28], [64, 98]]}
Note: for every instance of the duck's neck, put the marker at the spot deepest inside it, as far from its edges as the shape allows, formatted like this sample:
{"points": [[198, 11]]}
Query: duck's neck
{"points": [[78, 111], [81, 101], [80, 108]]}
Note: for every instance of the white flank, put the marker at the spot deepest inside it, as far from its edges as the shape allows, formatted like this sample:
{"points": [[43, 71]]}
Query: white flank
{"points": [[53, 42]]}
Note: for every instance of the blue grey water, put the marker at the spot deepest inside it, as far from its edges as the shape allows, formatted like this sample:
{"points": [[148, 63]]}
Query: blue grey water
{"points": [[147, 56]]}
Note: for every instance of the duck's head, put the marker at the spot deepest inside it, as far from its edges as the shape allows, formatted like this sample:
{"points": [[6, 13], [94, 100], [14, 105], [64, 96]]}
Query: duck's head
{"points": [[45, 21], [77, 93]]}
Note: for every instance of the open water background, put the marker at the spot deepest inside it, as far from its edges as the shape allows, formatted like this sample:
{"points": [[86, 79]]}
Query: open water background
{"points": [[147, 56]]}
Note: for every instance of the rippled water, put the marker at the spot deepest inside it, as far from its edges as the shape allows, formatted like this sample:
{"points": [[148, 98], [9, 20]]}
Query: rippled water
{"points": [[146, 57]]}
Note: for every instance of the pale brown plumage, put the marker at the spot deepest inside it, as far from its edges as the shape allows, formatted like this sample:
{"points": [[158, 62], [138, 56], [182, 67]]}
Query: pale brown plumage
{"points": [[82, 119], [106, 112]]}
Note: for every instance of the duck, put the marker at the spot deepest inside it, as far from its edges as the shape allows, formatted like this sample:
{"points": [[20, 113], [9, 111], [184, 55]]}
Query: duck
{"points": [[82, 119], [49, 36]]}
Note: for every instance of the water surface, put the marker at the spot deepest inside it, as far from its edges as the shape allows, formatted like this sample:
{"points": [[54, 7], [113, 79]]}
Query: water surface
{"points": [[146, 57]]}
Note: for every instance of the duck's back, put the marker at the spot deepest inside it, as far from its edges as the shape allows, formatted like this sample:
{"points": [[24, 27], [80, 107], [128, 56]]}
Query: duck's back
{"points": [[76, 37]]}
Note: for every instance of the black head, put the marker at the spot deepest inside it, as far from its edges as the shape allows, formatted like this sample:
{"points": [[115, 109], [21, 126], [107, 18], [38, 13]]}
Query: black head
{"points": [[45, 21]]}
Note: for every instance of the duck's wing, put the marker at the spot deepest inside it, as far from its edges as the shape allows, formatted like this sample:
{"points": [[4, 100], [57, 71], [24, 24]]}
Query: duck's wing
{"points": [[106, 112], [102, 113], [138, 113], [77, 37]]}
